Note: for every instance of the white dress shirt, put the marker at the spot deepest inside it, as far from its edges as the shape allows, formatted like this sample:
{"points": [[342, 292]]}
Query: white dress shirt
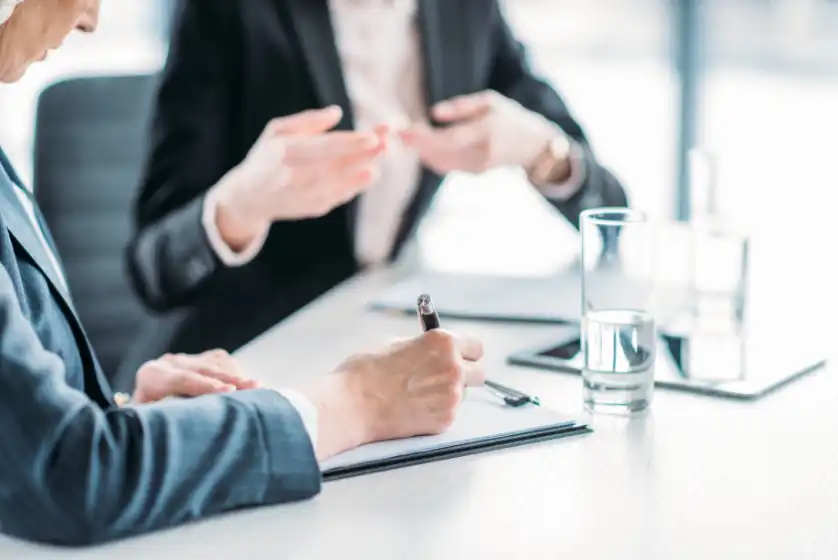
{"points": [[29, 208]]}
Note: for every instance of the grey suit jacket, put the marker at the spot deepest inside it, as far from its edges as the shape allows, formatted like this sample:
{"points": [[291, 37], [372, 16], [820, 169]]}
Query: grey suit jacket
{"points": [[74, 468]]}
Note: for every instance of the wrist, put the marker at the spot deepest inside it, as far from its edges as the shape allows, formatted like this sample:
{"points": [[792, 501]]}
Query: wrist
{"points": [[342, 419], [552, 165], [236, 227]]}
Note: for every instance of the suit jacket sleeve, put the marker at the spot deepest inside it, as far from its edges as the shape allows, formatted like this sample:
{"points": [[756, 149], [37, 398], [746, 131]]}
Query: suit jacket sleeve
{"points": [[170, 258], [512, 76], [72, 473]]}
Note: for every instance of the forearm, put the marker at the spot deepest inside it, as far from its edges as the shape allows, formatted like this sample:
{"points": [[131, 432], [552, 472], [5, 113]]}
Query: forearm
{"points": [[129, 471], [599, 188], [171, 259], [72, 473]]}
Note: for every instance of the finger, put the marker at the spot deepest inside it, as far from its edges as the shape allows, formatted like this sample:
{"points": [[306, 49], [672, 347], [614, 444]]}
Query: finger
{"points": [[229, 364], [330, 146], [474, 374], [191, 384], [437, 151], [451, 140], [344, 182], [417, 135], [313, 121], [463, 136], [465, 107], [469, 348], [209, 368]]}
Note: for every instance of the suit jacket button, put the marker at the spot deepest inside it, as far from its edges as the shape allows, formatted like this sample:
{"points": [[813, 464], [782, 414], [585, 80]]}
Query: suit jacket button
{"points": [[195, 270]]}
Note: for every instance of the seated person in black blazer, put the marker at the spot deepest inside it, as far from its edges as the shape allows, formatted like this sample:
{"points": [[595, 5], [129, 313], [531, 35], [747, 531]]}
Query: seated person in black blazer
{"points": [[80, 465], [239, 225]]}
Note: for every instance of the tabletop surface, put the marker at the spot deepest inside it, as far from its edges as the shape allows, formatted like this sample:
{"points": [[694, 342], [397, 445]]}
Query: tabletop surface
{"points": [[699, 477]]}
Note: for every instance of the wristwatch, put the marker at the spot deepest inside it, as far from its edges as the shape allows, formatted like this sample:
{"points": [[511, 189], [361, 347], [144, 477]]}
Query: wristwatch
{"points": [[552, 165]]}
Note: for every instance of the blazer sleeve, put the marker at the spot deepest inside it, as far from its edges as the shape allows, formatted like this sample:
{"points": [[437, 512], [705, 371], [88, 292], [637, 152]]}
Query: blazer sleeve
{"points": [[72, 473], [170, 258], [512, 76]]}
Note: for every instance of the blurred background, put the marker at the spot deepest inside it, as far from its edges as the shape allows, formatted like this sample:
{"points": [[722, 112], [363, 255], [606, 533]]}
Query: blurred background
{"points": [[755, 81]]}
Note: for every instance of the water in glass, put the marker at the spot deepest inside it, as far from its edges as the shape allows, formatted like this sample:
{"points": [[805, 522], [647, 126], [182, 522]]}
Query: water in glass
{"points": [[618, 349]]}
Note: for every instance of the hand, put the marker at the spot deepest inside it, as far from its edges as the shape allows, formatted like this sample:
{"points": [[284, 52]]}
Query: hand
{"points": [[485, 130], [182, 375], [296, 170], [409, 388]]}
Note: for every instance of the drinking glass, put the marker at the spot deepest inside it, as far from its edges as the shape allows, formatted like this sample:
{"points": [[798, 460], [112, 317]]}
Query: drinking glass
{"points": [[618, 328]]}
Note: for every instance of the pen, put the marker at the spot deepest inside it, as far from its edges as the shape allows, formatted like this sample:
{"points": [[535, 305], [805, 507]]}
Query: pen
{"points": [[429, 320]]}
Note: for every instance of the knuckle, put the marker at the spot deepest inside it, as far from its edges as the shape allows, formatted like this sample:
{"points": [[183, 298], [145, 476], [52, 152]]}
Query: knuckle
{"points": [[446, 419], [321, 208], [455, 373], [453, 396], [442, 341]]}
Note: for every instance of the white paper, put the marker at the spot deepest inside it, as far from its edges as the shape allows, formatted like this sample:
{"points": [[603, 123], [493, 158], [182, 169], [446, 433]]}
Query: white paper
{"points": [[481, 416]]}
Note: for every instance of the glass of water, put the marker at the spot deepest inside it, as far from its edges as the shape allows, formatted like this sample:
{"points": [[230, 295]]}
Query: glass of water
{"points": [[618, 328]]}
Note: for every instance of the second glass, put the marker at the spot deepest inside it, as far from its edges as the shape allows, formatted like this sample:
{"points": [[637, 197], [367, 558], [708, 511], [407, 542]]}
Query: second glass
{"points": [[618, 328]]}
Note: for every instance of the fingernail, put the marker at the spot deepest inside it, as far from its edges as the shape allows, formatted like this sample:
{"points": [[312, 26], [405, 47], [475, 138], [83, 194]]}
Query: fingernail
{"points": [[228, 388]]}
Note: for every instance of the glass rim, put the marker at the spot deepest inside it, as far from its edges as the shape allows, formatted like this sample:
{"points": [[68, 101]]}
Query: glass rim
{"points": [[618, 215]]}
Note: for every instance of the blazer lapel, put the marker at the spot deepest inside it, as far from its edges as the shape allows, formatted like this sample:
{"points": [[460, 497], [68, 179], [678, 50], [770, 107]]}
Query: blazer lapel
{"points": [[313, 24], [23, 230], [445, 47]]}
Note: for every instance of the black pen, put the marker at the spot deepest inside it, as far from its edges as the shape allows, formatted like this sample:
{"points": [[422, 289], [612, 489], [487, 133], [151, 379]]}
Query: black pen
{"points": [[429, 320]]}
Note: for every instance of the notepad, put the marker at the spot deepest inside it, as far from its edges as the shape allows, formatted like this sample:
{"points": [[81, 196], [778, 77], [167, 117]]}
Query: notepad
{"points": [[483, 423]]}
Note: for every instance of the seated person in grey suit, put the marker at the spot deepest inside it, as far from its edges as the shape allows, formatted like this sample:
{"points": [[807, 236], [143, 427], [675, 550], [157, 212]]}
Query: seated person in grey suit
{"points": [[239, 225], [79, 465]]}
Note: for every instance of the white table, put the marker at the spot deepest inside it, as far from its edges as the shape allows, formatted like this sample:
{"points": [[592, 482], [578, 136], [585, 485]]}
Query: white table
{"points": [[698, 478]]}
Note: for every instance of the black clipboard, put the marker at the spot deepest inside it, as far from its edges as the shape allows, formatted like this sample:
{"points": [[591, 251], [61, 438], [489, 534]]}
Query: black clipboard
{"points": [[463, 450], [486, 426]]}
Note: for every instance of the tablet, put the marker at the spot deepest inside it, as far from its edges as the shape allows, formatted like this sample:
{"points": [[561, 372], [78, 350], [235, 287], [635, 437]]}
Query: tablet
{"points": [[722, 365]]}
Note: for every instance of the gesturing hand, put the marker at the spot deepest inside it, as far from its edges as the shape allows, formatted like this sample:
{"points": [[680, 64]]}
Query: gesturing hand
{"points": [[485, 130], [182, 375], [296, 170]]}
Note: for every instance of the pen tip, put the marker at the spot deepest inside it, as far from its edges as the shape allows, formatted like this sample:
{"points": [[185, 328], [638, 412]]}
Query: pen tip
{"points": [[423, 299]]}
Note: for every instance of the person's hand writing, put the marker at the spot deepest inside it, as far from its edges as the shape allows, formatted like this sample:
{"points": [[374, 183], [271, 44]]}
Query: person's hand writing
{"points": [[409, 388], [181, 375], [297, 169], [483, 131]]}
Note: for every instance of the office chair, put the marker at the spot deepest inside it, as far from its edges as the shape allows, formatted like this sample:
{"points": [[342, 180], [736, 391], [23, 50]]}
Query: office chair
{"points": [[89, 149]]}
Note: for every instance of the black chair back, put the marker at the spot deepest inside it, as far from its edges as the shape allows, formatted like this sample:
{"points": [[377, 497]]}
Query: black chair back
{"points": [[90, 144]]}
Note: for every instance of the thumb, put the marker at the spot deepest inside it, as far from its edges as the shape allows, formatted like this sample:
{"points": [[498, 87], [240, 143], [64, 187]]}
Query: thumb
{"points": [[314, 121], [191, 384], [474, 374]]}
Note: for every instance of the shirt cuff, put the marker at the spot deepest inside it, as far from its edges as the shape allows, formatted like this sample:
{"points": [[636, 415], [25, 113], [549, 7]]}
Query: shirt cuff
{"points": [[307, 411], [570, 186], [227, 255]]}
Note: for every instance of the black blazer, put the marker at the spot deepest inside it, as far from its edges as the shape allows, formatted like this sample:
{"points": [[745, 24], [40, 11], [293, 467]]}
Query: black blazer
{"points": [[233, 66], [74, 468]]}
